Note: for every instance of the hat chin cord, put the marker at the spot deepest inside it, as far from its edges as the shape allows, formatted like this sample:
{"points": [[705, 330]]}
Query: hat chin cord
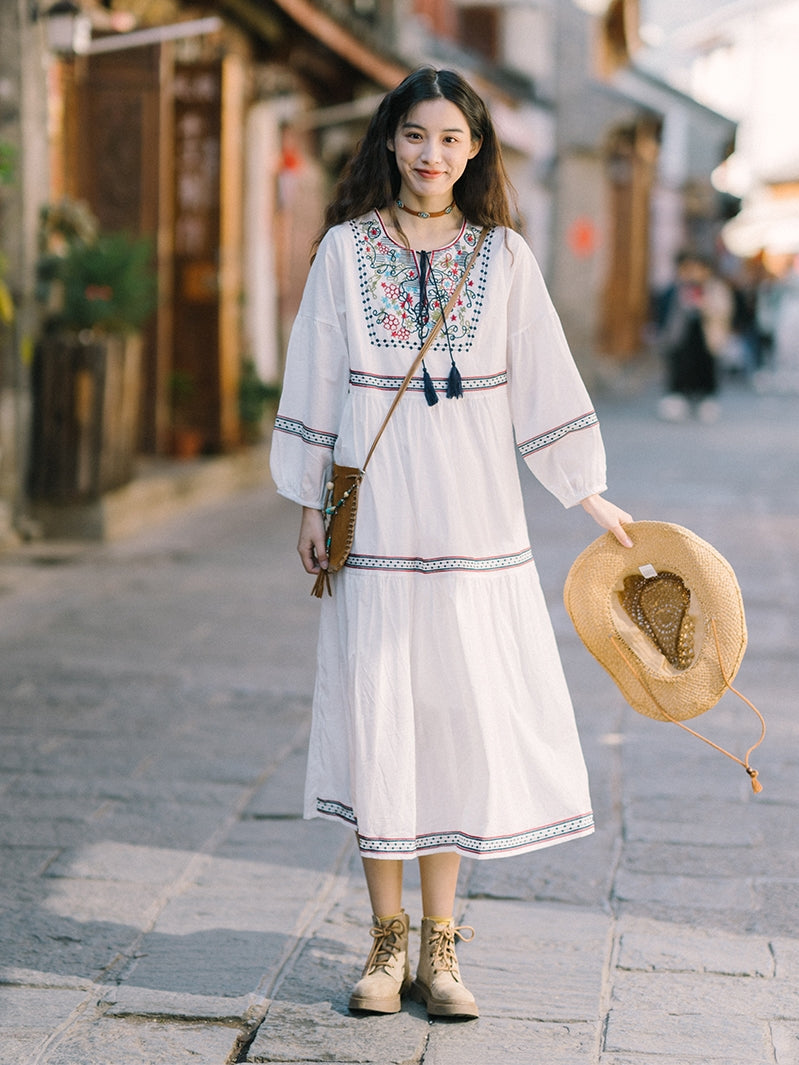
{"points": [[756, 785]]}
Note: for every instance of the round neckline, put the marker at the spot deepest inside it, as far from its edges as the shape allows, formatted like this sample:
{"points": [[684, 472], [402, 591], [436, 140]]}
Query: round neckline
{"points": [[417, 251]]}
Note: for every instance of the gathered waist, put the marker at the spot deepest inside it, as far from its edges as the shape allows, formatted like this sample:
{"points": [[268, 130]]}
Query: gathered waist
{"points": [[392, 382]]}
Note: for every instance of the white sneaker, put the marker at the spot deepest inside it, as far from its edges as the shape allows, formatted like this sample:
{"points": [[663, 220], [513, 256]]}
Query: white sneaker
{"points": [[674, 408], [708, 411]]}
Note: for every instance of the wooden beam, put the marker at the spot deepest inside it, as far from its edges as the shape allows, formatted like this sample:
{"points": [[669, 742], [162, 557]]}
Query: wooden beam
{"points": [[320, 25]]}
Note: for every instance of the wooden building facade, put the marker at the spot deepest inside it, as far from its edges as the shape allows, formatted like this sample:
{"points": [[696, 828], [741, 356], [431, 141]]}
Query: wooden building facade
{"points": [[161, 141]]}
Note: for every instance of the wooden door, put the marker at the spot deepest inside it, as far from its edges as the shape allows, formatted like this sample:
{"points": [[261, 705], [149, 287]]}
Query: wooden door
{"points": [[631, 163], [113, 152]]}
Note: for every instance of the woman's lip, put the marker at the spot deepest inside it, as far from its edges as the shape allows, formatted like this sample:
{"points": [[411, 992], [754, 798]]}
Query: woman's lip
{"points": [[429, 173]]}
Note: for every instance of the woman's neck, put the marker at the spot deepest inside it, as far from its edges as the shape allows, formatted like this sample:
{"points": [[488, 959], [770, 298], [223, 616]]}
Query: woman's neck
{"points": [[422, 233]]}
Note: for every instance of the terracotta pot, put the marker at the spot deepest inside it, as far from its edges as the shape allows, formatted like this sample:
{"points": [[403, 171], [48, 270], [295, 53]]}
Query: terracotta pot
{"points": [[187, 443]]}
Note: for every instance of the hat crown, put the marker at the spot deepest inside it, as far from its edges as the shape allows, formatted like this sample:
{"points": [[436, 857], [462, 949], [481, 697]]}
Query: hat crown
{"points": [[659, 607]]}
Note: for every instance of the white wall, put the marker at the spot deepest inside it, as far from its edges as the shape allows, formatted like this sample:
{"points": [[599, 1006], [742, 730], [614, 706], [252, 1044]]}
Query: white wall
{"points": [[528, 43], [261, 326]]}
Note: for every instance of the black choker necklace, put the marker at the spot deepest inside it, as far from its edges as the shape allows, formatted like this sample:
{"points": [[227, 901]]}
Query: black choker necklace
{"points": [[425, 214]]}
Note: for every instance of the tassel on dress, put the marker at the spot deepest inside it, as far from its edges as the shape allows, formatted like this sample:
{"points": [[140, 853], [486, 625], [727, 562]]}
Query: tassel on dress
{"points": [[429, 390], [454, 383]]}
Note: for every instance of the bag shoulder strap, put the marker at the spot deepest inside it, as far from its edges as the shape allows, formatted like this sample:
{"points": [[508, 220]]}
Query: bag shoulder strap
{"points": [[417, 362]]}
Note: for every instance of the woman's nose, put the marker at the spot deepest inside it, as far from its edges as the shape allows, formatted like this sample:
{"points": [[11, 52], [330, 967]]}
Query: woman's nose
{"points": [[430, 151]]}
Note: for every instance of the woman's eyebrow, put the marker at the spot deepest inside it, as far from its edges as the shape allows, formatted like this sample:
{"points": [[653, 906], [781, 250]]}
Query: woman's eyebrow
{"points": [[418, 125]]}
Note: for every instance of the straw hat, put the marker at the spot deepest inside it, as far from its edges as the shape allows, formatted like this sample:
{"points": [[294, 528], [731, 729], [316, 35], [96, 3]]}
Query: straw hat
{"points": [[664, 617], [644, 613]]}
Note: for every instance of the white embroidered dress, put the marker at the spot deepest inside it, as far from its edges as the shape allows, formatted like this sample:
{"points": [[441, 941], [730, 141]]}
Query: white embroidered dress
{"points": [[441, 717]]}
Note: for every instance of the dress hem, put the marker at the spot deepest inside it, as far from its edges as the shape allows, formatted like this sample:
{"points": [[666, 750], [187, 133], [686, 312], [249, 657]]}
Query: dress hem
{"points": [[478, 847]]}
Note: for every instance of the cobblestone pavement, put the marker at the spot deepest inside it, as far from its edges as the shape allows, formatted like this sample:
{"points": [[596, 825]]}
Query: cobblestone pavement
{"points": [[162, 901]]}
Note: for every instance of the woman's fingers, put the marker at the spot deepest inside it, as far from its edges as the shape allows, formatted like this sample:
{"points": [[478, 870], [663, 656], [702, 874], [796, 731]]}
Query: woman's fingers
{"points": [[609, 516], [311, 543]]}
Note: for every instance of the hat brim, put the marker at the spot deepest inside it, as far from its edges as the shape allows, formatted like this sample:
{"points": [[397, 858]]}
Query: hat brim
{"points": [[649, 682]]}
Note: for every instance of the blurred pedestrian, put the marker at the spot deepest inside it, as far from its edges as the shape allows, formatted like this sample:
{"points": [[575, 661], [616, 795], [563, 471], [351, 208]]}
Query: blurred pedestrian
{"points": [[696, 323], [779, 308], [442, 725]]}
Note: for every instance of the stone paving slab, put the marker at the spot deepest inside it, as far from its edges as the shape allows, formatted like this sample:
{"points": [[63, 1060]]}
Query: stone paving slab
{"points": [[552, 874], [658, 947], [492, 1041], [294, 1032], [777, 910], [786, 957], [673, 821], [36, 1009], [712, 861], [678, 892], [663, 1057], [126, 862], [707, 995], [131, 1001], [786, 1042], [539, 962], [118, 1041], [89, 902], [35, 940], [15, 977], [282, 794], [128, 789], [696, 1037]]}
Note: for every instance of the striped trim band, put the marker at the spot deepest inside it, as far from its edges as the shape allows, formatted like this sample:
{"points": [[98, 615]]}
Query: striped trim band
{"points": [[310, 436], [392, 384], [438, 565], [538, 443], [462, 841]]}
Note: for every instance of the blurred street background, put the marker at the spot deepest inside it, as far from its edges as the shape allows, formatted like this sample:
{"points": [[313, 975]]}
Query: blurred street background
{"points": [[164, 166]]}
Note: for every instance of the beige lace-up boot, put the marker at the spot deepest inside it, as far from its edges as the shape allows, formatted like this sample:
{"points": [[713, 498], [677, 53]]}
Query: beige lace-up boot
{"points": [[438, 980], [386, 975]]}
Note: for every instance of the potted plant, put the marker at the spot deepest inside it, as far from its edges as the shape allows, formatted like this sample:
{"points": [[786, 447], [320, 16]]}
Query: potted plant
{"points": [[96, 291], [255, 397], [187, 439]]}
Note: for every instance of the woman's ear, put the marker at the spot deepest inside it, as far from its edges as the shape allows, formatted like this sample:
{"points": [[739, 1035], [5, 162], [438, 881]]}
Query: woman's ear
{"points": [[390, 144], [475, 148]]}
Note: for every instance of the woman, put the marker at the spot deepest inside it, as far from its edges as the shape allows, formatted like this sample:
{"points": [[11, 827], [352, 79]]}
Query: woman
{"points": [[441, 723]]}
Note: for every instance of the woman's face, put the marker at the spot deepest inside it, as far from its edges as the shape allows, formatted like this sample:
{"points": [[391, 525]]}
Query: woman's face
{"points": [[432, 146]]}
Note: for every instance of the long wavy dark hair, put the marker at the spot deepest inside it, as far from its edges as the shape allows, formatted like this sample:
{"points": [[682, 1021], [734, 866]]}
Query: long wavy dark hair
{"points": [[371, 179]]}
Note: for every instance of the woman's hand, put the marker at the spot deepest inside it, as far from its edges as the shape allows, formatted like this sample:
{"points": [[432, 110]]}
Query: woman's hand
{"points": [[609, 516], [311, 545]]}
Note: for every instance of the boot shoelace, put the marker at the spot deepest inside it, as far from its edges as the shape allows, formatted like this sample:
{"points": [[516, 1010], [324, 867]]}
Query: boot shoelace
{"points": [[386, 946], [442, 946]]}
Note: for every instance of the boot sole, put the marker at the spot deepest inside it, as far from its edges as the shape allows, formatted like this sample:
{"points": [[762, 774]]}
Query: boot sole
{"points": [[379, 1005], [372, 1005], [419, 993]]}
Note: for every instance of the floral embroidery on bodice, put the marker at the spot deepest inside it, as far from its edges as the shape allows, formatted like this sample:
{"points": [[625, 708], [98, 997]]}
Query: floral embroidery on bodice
{"points": [[404, 292]]}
